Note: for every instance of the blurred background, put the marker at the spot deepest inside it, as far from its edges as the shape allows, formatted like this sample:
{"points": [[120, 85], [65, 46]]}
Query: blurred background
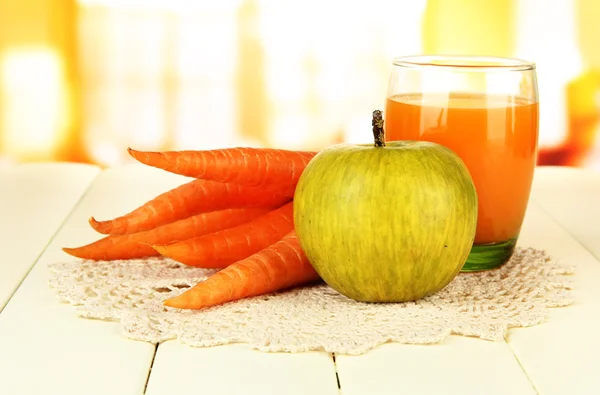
{"points": [[80, 80]]}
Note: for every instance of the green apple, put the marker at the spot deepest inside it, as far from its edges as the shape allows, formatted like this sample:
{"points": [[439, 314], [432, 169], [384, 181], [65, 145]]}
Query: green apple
{"points": [[386, 222]]}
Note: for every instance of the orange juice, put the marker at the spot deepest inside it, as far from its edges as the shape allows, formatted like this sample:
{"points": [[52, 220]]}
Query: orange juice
{"points": [[496, 137]]}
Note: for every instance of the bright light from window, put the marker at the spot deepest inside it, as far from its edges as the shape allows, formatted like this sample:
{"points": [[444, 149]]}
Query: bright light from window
{"points": [[34, 101]]}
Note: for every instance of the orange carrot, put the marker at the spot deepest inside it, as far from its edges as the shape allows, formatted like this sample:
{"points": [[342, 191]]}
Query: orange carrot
{"points": [[220, 249], [191, 198], [279, 266], [274, 169], [138, 245]]}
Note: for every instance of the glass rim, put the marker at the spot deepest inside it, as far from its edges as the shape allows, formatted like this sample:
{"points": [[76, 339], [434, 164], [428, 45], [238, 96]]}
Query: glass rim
{"points": [[464, 62]]}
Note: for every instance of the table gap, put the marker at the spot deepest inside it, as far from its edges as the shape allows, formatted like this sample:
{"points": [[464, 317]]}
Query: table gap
{"points": [[522, 367], [337, 376], [150, 367]]}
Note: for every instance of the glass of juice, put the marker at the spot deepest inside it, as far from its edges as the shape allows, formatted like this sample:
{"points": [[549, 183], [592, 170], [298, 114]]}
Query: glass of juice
{"points": [[486, 110]]}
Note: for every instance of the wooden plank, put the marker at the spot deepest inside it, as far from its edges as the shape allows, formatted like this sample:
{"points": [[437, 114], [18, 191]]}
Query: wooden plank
{"points": [[572, 197], [459, 365], [35, 200], [237, 369], [45, 347], [562, 355]]}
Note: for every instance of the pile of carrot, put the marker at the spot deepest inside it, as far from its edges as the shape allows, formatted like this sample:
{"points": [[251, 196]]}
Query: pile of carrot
{"points": [[235, 215]]}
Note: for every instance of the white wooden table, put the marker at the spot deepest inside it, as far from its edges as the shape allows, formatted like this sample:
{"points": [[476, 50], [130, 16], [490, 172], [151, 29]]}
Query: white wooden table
{"points": [[46, 349]]}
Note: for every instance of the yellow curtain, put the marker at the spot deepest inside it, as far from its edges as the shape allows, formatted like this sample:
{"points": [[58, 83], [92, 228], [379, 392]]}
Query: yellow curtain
{"points": [[40, 114]]}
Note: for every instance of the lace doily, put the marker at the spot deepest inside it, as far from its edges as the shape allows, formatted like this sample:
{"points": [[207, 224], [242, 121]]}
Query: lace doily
{"points": [[315, 317]]}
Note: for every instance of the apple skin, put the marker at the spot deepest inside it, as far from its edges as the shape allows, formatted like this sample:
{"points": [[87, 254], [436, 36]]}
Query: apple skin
{"points": [[386, 224]]}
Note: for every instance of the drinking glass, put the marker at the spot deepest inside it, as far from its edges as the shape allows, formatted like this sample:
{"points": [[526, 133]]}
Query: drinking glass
{"points": [[486, 110]]}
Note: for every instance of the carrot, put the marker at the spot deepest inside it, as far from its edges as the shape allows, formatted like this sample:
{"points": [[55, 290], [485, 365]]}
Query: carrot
{"points": [[274, 169], [191, 198], [138, 245], [279, 266], [220, 249]]}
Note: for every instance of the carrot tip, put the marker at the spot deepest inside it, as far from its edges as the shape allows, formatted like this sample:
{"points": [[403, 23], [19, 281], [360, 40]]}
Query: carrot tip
{"points": [[174, 302], [99, 226], [93, 222], [133, 152], [73, 252]]}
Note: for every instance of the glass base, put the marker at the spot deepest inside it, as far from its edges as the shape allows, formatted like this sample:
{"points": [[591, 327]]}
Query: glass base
{"points": [[489, 256]]}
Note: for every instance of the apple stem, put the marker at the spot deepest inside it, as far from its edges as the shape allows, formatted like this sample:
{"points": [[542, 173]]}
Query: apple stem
{"points": [[378, 132]]}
